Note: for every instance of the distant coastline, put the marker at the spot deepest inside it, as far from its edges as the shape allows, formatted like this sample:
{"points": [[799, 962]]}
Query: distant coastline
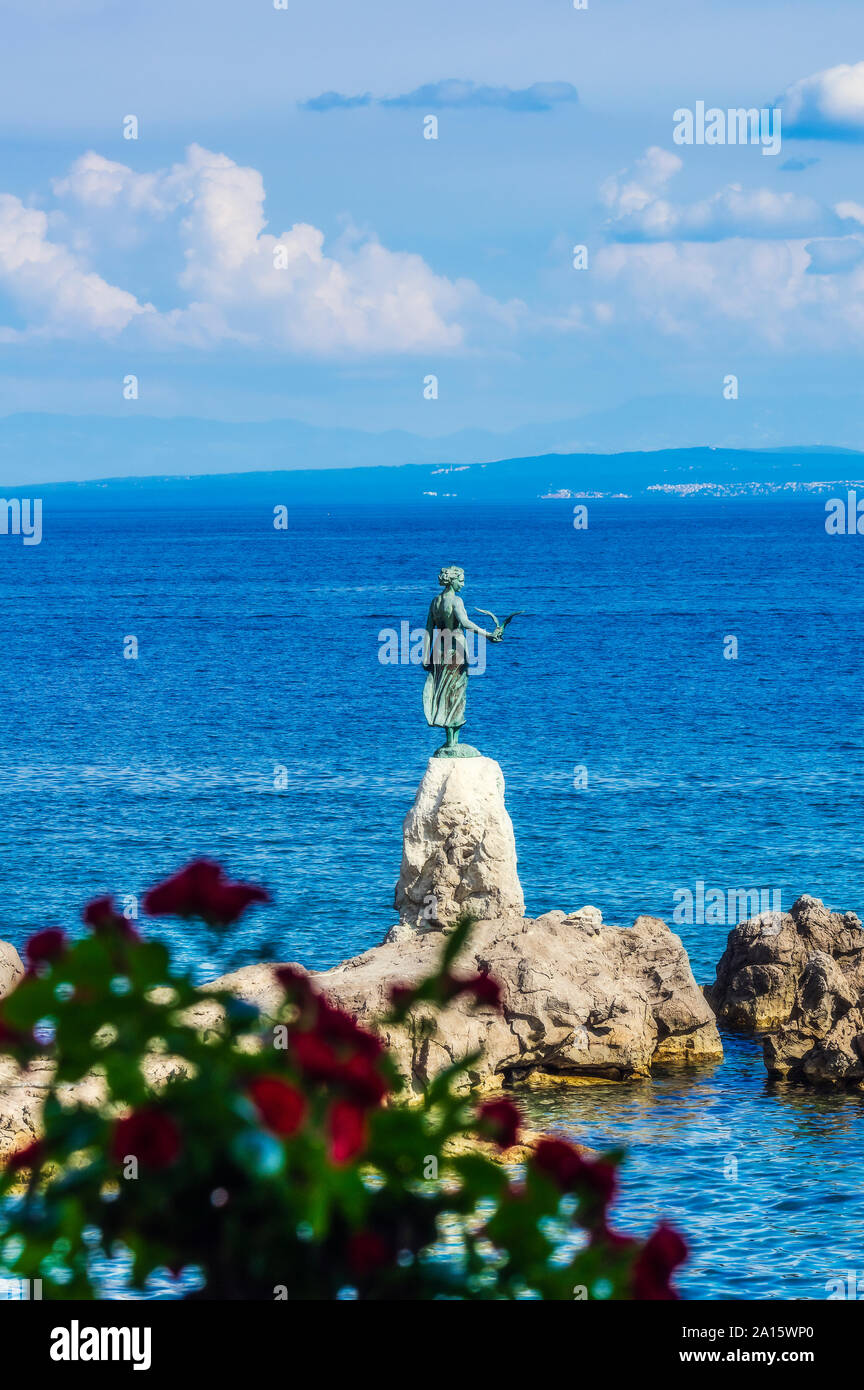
{"points": [[649, 474], [715, 489]]}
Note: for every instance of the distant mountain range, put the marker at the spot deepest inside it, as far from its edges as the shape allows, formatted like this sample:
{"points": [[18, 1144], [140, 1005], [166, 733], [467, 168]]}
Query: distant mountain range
{"points": [[683, 472], [48, 448]]}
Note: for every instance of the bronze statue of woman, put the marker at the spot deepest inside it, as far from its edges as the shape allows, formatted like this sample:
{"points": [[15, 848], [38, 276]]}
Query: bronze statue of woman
{"points": [[445, 658]]}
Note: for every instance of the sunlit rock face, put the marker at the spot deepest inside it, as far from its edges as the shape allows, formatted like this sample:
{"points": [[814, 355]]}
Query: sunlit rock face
{"points": [[581, 1001], [458, 849]]}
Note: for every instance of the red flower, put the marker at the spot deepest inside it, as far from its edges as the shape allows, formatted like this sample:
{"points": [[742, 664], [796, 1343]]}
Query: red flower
{"points": [[482, 988], [600, 1178], [559, 1161], [150, 1135], [98, 911], [13, 1037], [338, 1026], [347, 1126], [295, 982], [321, 1055], [46, 945], [102, 916], [401, 996], [231, 900], [367, 1251], [485, 990], [282, 1106], [501, 1120], [315, 1057], [661, 1254], [566, 1166], [29, 1157], [201, 890], [363, 1081]]}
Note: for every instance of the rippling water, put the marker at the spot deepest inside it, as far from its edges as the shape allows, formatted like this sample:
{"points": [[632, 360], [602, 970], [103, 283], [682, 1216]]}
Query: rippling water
{"points": [[764, 1181], [259, 726]]}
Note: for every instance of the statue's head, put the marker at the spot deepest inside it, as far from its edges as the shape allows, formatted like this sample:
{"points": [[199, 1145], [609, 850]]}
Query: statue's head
{"points": [[451, 577]]}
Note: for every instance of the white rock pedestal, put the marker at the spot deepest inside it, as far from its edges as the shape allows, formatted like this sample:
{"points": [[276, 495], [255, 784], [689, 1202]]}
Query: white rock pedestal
{"points": [[458, 849]]}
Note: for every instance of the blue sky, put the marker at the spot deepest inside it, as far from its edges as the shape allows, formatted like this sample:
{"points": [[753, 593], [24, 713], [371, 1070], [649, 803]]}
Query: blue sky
{"points": [[406, 257]]}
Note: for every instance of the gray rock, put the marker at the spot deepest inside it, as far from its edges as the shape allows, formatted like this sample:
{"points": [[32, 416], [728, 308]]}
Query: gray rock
{"points": [[798, 977], [759, 972], [823, 1040], [582, 1000]]}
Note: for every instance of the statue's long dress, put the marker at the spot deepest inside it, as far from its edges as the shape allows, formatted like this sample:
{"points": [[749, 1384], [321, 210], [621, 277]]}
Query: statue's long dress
{"points": [[446, 657]]}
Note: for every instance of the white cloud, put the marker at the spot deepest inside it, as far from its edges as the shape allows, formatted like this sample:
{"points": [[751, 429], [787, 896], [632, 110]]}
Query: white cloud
{"points": [[744, 265], [55, 292], [639, 190], [247, 284], [640, 211], [749, 290], [101, 183], [755, 261], [828, 105]]}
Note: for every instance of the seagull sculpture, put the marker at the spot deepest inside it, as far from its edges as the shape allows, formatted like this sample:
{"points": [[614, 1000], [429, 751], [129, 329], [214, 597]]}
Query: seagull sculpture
{"points": [[499, 627]]}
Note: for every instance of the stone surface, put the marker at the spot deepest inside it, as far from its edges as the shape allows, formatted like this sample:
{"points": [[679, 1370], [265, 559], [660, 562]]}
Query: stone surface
{"points": [[823, 1041], [581, 1000], [758, 974], [11, 967], [458, 854]]}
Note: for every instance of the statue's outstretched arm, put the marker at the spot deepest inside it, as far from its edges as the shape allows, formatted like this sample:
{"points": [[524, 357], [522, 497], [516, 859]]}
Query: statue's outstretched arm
{"points": [[466, 623]]}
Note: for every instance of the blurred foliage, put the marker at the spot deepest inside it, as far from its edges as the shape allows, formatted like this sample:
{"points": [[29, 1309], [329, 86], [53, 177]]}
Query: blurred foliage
{"points": [[278, 1157]]}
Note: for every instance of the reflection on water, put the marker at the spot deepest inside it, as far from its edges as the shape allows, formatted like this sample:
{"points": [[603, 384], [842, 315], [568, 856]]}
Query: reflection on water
{"points": [[764, 1181]]}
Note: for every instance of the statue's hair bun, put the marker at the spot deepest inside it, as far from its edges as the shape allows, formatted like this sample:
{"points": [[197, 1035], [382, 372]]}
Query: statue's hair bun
{"points": [[451, 574]]}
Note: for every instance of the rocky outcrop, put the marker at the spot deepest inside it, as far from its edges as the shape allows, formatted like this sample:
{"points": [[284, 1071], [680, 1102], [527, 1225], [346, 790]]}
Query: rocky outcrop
{"points": [[798, 977], [581, 1000], [823, 1041], [759, 973], [458, 850]]}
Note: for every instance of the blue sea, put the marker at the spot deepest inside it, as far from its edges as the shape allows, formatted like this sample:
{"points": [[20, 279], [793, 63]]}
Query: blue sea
{"points": [[644, 751]]}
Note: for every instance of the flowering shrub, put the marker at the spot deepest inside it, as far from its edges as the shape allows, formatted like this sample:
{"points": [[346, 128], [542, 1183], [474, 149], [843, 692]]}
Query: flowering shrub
{"points": [[273, 1157]]}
